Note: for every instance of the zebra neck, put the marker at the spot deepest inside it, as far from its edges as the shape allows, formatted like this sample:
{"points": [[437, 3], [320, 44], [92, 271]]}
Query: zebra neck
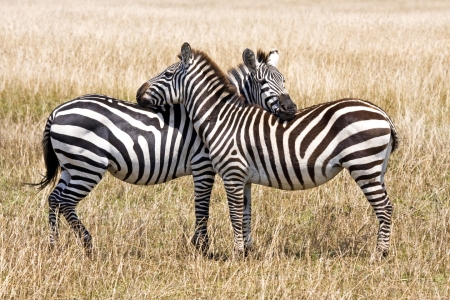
{"points": [[241, 80], [208, 111]]}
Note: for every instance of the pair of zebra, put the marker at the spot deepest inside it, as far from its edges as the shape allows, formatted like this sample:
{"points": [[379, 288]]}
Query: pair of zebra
{"points": [[218, 129]]}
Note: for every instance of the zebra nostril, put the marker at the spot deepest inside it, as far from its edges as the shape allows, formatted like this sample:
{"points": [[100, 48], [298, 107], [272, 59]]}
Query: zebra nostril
{"points": [[143, 103], [287, 104], [292, 107]]}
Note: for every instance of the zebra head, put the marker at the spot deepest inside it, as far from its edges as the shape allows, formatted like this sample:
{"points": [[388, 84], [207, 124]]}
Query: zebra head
{"points": [[151, 90], [258, 81], [263, 84]]}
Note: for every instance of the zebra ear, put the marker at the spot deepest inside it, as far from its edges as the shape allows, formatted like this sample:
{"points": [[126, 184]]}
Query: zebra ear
{"points": [[273, 58], [249, 60], [186, 55]]}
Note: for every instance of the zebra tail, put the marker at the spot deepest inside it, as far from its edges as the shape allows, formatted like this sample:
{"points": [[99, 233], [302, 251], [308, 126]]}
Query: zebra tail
{"points": [[394, 135], [50, 159]]}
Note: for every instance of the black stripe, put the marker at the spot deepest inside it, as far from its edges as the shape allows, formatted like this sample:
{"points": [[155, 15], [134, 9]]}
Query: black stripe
{"points": [[365, 166], [362, 153]]}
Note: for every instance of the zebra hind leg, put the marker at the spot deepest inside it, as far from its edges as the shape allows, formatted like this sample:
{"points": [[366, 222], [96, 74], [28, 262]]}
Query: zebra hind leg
{"points": [[375, 192], [69, 213], [77, 188], [53, 207]]}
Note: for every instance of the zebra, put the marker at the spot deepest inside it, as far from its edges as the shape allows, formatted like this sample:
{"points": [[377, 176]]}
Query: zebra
{"points": [[92, 134], [248, 145], [251, 77]]}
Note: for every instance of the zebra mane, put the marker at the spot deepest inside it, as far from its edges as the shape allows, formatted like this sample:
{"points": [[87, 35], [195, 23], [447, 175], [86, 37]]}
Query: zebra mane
{"points": [[238, 72], [228, 87], [262, 56]]}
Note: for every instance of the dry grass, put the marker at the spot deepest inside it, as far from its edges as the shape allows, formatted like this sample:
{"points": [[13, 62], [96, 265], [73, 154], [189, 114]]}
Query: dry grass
{"points": [[311, 244]]}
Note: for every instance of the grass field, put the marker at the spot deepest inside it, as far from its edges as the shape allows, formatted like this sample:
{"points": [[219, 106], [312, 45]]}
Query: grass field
{"points": [[313, 244]]}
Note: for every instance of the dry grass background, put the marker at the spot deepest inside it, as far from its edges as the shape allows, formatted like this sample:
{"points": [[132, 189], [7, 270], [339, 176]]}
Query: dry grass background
{"points": [[308, 244]]}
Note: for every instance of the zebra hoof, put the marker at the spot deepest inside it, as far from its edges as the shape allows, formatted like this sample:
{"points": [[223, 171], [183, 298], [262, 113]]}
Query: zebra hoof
{"points": [[88, 247], [379, 255], [201, 244], [88, 252], [239, 254], [247, 250]]}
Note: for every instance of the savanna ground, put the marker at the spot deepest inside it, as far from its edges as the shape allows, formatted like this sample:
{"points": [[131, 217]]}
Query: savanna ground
{"points": [[308, 244]]}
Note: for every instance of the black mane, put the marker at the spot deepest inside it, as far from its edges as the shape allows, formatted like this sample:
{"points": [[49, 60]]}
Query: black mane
{"points": [[262, 56]]}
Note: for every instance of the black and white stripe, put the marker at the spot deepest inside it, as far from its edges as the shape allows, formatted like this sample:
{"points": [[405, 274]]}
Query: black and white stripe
{"points": [[91, 134], [248, 145], [260, 82]]}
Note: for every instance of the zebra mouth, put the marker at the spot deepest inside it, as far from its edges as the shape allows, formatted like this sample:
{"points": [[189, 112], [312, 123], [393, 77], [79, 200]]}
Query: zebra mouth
{"points": [[275, 107], [287, 109], [286, 115], [283, 114], [273, 104]]}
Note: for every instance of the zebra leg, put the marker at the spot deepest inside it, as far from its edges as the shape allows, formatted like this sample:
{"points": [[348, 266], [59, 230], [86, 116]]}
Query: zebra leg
{"points": [[235, 196], [384, 231], [54, 209], [69, 213], [77, 188], [203, 184], [376, 194], [247, 230]]}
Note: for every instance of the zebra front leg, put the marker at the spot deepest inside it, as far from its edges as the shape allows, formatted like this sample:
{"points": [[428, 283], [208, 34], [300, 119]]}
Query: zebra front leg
{"points": [[235, 196], [247, 219], [203, 184]]}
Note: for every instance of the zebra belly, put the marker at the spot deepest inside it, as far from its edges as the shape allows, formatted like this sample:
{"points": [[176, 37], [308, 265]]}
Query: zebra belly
{"points": [[299, 179], [156, 166], [150, 178]]}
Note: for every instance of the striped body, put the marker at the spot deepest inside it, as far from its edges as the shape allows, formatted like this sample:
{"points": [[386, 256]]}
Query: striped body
{"points": [[309, 151], [92, 134], [248, 145], [136, 145]]}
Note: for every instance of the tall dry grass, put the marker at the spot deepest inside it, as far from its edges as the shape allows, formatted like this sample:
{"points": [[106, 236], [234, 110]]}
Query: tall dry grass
{"points": [[308, 244]]}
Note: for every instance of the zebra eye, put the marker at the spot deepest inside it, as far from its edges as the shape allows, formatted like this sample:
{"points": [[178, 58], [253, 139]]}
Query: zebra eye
{"points": [[169, 74]]}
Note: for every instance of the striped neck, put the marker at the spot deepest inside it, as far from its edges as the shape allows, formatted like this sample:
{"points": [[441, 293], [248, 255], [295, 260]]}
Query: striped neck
{"points": [[209, 96], [240, 78]]}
